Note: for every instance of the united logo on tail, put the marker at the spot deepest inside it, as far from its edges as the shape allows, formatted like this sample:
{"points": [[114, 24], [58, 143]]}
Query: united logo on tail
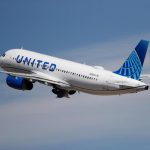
{"points": [[132, 67]]}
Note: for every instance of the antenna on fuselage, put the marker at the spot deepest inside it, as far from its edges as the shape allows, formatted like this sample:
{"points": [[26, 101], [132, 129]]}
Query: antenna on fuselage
{"points": [[21, 47]]}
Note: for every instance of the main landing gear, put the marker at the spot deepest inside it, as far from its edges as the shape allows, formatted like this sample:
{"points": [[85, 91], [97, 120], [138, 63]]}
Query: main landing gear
{"points": [[62, 93]]}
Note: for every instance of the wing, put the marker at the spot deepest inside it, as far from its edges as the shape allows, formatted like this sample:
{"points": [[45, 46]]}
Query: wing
{"points": [[40, 77]]}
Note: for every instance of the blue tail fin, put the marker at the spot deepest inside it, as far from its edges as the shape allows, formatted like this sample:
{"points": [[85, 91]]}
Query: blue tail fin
{"points": [[132, 67]]}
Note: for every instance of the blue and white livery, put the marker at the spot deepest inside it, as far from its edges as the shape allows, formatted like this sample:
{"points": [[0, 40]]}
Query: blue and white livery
{"points": [[132, 67], [24, 68]]}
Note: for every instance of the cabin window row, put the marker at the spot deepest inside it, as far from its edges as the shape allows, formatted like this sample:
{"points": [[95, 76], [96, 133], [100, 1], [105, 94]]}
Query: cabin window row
{"points": [[76, 74]]}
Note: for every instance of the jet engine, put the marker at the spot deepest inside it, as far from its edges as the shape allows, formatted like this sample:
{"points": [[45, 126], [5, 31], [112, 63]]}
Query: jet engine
{"points": [[19, 83]]}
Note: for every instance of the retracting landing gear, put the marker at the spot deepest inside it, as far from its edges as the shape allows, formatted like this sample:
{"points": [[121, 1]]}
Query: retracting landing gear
{"points": [[59, 92], [71, 92], [62, 93], [147, 87]]}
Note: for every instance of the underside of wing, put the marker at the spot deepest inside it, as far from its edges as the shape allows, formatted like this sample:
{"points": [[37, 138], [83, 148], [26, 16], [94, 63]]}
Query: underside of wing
{"points": [[39, 77]]}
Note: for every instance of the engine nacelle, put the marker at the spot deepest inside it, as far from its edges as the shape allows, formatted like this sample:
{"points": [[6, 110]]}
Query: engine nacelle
{"points": [[19, 83]]}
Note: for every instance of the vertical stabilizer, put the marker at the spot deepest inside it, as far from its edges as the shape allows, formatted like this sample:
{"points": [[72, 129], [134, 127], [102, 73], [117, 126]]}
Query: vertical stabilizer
{"points": [[132, 67]]}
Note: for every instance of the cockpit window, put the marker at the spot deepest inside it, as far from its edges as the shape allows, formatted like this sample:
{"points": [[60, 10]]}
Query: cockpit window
{"points": [[3, 55]]}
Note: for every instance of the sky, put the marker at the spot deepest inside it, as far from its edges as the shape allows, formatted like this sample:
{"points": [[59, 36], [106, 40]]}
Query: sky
{"points": [[95, 32]]}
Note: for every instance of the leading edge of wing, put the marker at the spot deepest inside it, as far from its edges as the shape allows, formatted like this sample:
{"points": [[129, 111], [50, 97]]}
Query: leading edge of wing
{"points": [[40, 77]]}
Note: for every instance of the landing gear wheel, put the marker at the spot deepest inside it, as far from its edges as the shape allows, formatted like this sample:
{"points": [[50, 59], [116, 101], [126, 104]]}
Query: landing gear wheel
{"points": [[59, 92], [60, 95], [71, 92], [55, 91]]}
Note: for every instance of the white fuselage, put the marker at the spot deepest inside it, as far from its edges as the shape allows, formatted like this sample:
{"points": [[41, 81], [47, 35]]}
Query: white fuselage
{"points": [[89, 79]]}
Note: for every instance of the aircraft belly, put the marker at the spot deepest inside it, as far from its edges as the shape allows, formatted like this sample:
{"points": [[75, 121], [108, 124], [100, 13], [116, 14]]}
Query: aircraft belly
{"points": [[110, 89], [85, 85]]}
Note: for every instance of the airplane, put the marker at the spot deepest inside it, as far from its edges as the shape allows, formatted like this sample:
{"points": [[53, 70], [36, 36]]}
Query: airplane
{"points": [[24, 68]]}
